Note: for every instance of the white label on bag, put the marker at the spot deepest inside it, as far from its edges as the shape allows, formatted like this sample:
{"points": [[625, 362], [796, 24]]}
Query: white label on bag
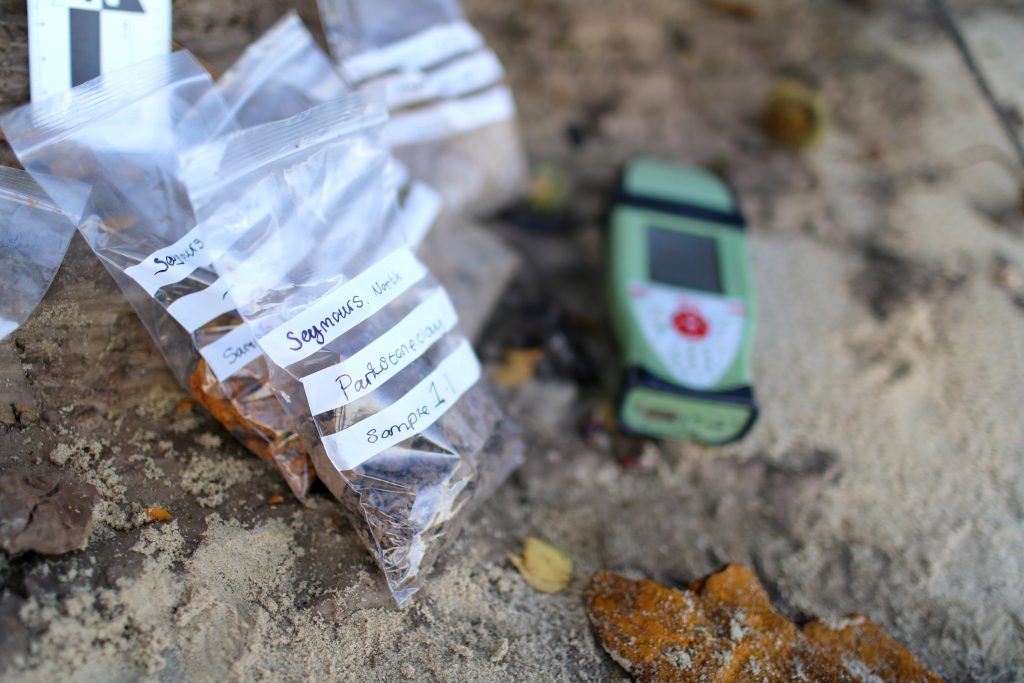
{"points": [[384, 358], [426, 48], [232, 352], [421, 407], [464, 75], [450, 117], [419, 212], [343, 308], [171, 264], [198, 308]]}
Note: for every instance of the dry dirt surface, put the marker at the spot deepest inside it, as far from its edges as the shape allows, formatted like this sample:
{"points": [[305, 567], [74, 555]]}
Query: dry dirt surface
{"points": [[884, 476]]}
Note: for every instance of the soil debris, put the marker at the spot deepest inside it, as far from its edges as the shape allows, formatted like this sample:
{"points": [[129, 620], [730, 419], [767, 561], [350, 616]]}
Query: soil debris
{"points": [[210, 478]]}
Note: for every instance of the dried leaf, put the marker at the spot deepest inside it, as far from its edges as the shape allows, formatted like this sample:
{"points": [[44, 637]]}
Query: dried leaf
{"points": [[724, 629], [275, 499], [865, 641], [793, 115], [519, 366], [549, 190], [159, 514], [544, 567]]}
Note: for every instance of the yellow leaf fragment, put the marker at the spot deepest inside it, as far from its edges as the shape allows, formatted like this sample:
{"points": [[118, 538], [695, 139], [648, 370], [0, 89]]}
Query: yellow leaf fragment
{"points": [[544, 567], [549, 190], [518, 367]]}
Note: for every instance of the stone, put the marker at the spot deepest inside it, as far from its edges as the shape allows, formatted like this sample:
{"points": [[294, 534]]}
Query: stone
{"points": [[44, 513]]}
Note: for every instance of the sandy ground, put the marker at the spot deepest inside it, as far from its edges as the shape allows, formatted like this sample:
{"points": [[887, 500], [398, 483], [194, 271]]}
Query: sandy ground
{"points": [[884, 476]]}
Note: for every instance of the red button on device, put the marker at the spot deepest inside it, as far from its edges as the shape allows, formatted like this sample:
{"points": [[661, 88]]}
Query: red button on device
{"points": [[690, 324]]}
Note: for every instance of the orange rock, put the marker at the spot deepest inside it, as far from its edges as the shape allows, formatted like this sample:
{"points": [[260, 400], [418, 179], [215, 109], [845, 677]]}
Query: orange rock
{"points": [[724, 629]]}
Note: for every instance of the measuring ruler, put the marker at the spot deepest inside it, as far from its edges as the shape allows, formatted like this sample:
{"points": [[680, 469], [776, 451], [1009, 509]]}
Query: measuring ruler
{"points": [[73, 41]]}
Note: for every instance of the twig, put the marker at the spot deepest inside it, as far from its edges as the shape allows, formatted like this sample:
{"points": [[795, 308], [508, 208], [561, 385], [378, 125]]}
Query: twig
{"points": [[949, 23]]}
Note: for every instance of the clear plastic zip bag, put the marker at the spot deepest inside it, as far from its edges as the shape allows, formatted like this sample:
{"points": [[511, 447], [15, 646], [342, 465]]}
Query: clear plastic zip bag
{"points": [[34, 236], [353, 27], [453, 119], [362, 342], [281, 74], [285, 73], [120, 134]]}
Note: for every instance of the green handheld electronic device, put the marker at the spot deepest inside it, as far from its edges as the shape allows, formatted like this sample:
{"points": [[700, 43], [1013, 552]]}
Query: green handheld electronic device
{"points": [[682, 304]]}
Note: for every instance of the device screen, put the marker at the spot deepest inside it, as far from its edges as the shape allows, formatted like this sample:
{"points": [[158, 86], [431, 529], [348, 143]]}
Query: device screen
{"points": [[683, 260]]}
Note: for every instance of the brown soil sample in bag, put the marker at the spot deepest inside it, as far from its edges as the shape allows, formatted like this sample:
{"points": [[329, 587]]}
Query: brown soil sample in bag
{"points": [[408, 503], [251, 412]]}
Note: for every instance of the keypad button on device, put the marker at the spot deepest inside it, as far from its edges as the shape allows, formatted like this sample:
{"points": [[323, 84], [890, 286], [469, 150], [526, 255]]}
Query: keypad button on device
{"points": [[690, 324]]}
